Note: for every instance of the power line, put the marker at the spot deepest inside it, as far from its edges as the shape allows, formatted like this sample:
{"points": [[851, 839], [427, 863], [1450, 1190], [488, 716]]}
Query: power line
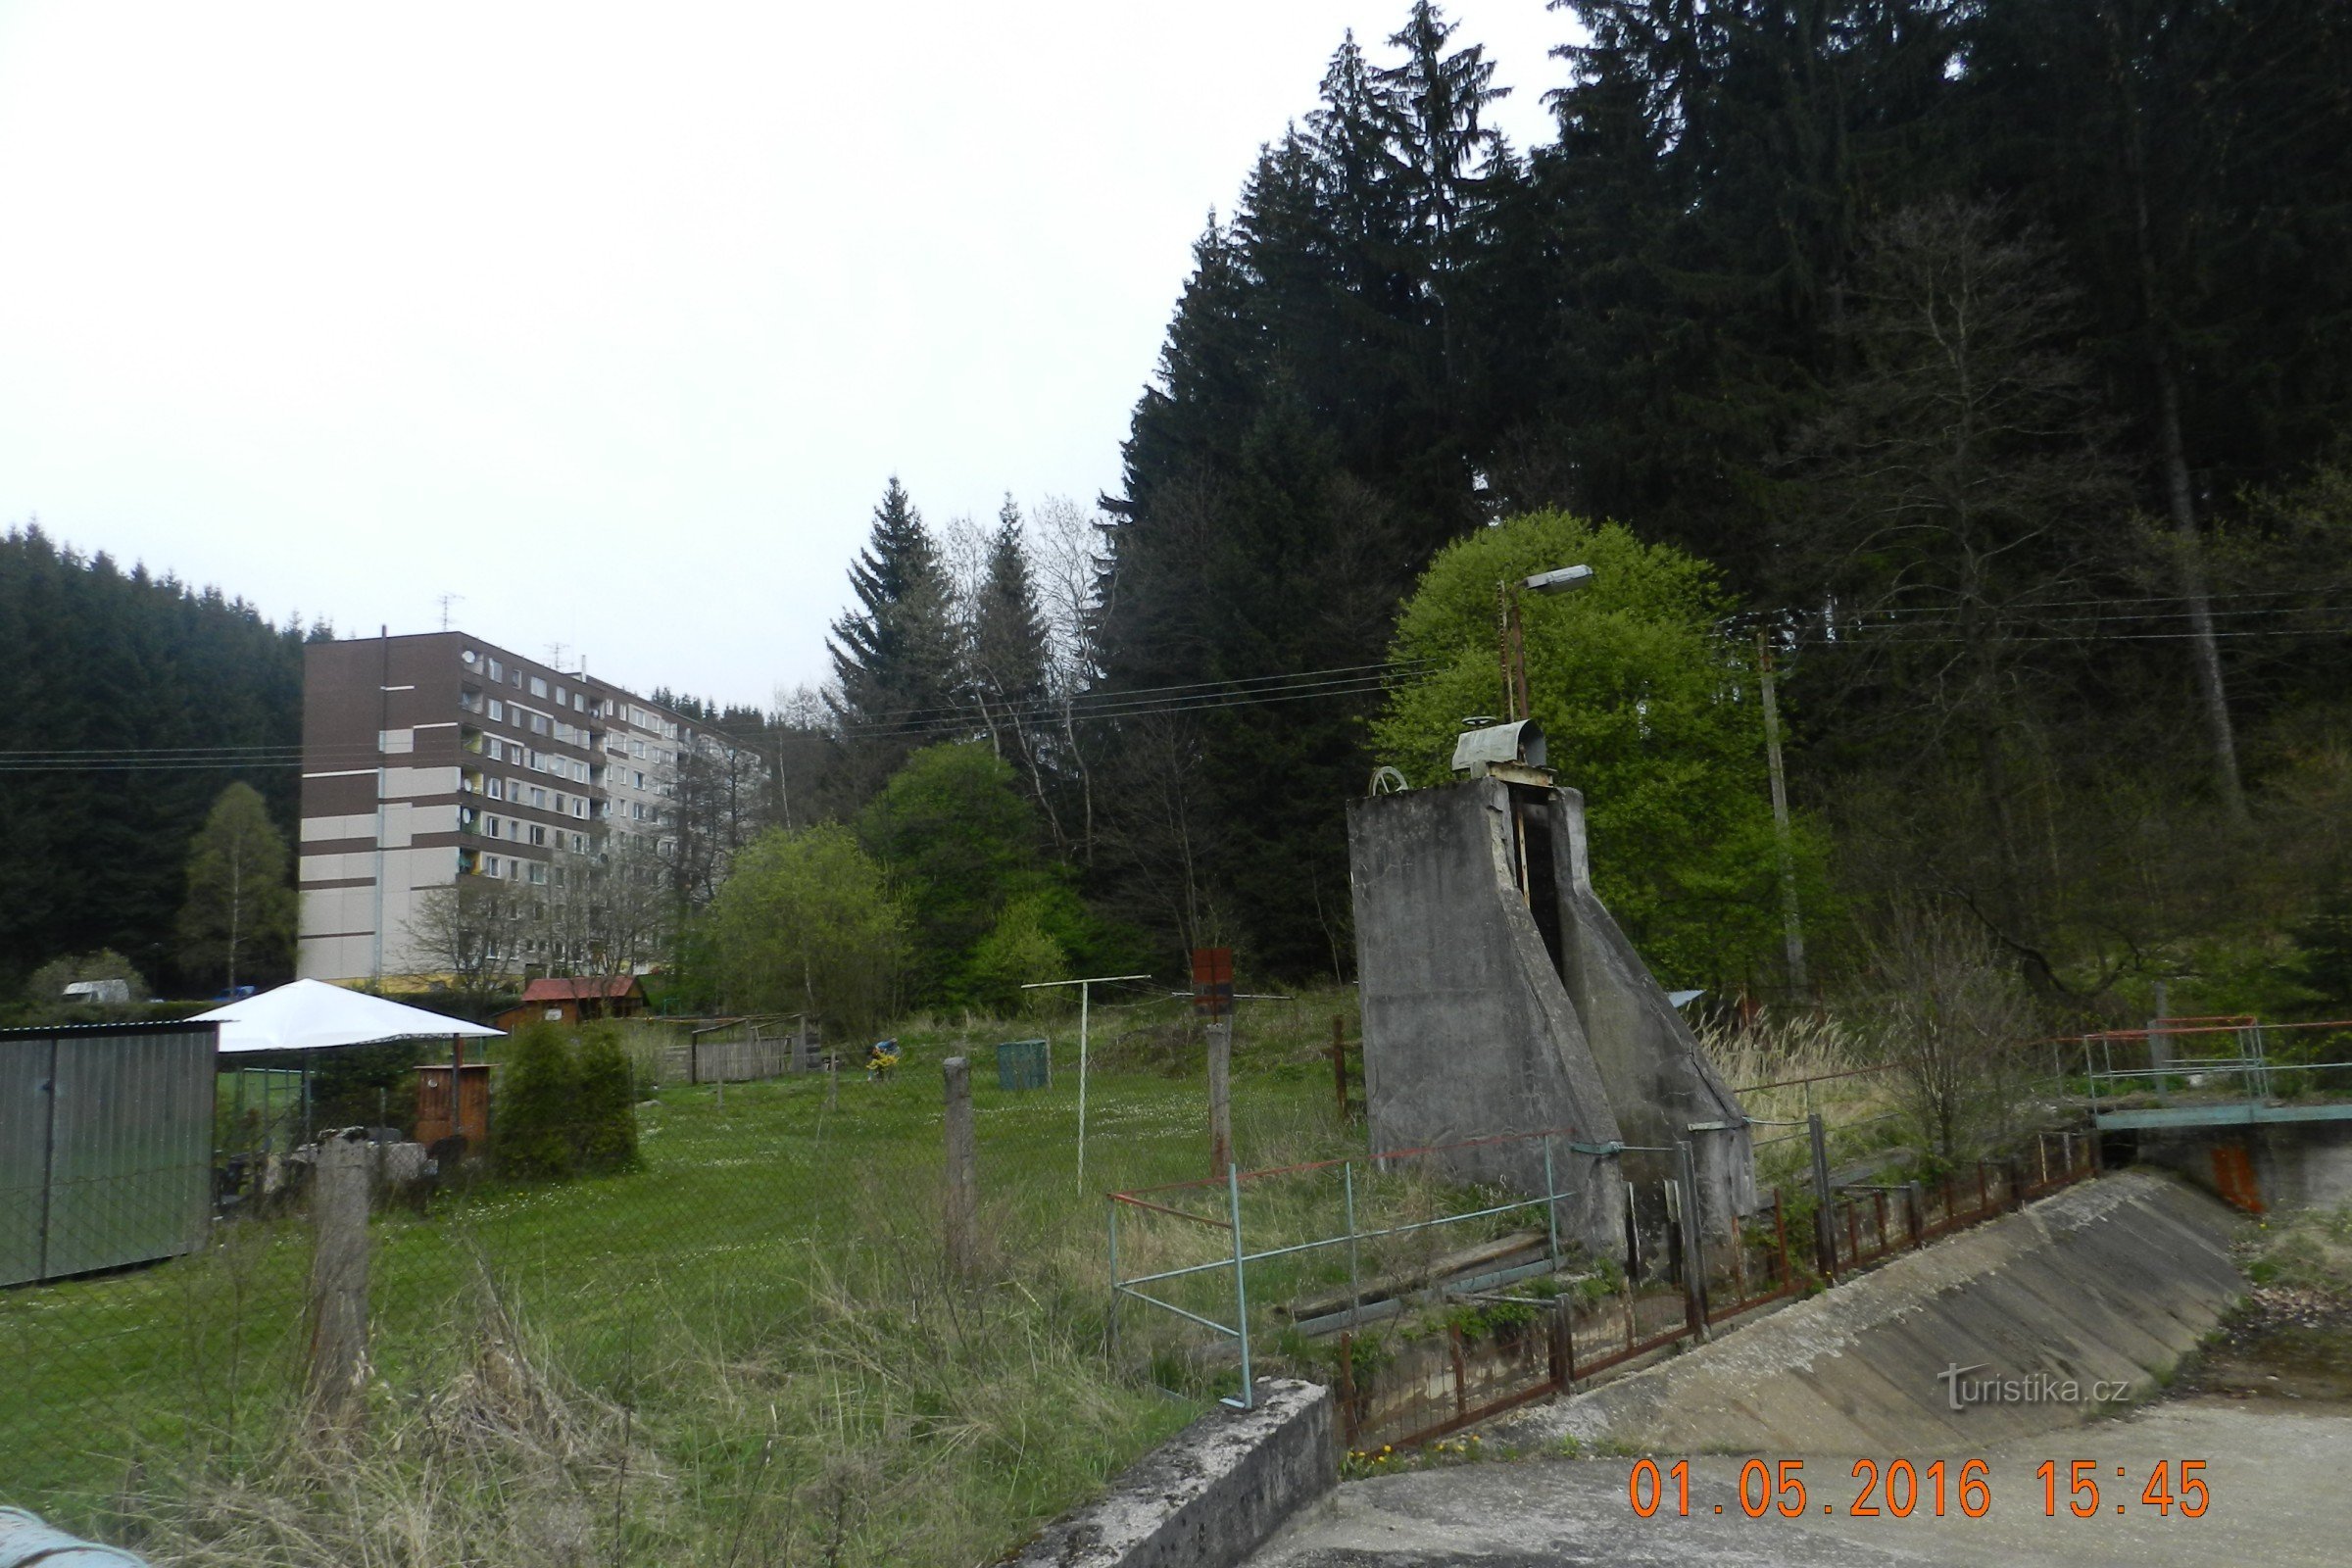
{"points": [[1139, 703]]}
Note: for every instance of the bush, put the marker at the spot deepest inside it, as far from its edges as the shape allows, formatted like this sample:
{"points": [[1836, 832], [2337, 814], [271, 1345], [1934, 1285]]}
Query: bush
{"points": [[1017, 951], [44, 999], [608, 1125], [805, 922], [538, 1104]]}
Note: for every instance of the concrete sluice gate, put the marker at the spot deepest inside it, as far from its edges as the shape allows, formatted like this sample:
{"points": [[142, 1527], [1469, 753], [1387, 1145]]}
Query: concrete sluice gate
{"points": [[1500, 996]]}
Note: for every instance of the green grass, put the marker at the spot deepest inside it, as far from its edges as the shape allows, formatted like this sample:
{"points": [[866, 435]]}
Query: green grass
{"points": [[749, 1351]]}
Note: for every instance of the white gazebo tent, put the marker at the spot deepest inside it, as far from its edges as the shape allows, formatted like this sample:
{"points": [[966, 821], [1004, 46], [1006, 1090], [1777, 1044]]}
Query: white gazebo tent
{"points": [[311, 1016]]}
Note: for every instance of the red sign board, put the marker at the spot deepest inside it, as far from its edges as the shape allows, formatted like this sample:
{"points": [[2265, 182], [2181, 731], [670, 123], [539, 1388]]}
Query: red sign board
{"points": [[1212, 981]]}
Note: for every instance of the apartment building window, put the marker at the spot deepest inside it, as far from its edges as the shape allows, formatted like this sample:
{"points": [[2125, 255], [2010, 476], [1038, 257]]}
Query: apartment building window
{"points": [[538, 687], [579, 704], [497, 709], [538, 874], [490, 866], [497, 671], [539, 796], [490, 827], [560, 806], [579, 844], [494, 789], [498, 750], [538, 835], [580, 808], [558, 697], [636, 810], [538, 723]]}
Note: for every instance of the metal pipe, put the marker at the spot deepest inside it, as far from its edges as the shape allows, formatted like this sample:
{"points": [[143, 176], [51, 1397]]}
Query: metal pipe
{"points": [[1110, 1328], [1329, 1240], [24, 1540], [1551, 1208], [1240, 1289], [1226, 1329], [1355, 1290]]}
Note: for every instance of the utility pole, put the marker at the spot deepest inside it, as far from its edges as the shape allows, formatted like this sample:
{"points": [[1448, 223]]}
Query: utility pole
{"points": [[1513, 641], [1513, 647], [1085, 991], [1792, 924]]}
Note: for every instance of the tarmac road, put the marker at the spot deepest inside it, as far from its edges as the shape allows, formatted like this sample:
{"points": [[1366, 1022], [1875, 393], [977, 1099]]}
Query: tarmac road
{"points": [[2279, 1474]]}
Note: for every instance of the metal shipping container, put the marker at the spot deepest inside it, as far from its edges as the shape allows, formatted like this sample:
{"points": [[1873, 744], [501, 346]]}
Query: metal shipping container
{"points": [[106, 1146]]}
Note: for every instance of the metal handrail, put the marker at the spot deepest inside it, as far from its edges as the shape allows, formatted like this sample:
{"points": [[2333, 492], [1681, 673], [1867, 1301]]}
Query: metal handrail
{"points": [[1242, 1257]]}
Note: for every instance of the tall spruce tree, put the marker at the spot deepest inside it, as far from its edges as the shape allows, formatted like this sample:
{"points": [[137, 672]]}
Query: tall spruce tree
{"points": [[1304, 449], [896, 660], [1006, 650], [94, 658], [2190, 155]]}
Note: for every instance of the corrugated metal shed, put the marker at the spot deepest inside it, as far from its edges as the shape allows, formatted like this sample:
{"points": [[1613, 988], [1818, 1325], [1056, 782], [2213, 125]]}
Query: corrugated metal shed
{"points": [[106, 1146]]}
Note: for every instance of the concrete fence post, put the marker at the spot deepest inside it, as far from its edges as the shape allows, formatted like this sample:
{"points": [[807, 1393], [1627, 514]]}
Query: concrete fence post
{"points": [[338, 1350], [1220, 1094], [963, 1177]]}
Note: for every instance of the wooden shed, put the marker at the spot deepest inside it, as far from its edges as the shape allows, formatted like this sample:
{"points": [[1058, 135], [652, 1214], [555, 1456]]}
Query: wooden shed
{"points": [[106, 1146], [576, 999]]}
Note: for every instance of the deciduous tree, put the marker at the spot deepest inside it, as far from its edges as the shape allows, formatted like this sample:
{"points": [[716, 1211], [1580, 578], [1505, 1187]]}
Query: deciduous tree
{"points": [[239, 914], [807, 922]]}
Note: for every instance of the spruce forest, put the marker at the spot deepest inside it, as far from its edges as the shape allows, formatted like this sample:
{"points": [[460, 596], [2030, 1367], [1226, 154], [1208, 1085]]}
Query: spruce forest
{"points": [[1981, 367]]}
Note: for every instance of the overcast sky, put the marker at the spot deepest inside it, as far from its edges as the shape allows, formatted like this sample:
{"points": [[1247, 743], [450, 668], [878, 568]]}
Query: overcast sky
{"points": [[613, 320]]}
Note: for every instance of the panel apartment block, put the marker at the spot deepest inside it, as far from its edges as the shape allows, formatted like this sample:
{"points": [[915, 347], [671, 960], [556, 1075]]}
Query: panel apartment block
{"points": [[435, 756]]}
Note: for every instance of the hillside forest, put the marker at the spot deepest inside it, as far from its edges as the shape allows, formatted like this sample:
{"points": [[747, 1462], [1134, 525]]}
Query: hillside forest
{"points": [[1979, 369]]}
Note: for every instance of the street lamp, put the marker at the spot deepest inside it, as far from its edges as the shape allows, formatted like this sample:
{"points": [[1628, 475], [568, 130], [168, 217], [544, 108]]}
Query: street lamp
{"points": [[1513, 647]]}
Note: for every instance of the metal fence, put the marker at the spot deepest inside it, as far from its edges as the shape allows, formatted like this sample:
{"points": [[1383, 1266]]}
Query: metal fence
{"points": [[741, 1340], [1865, 1222], [1335, 1270], [1356, 1255], [2217, 1071]]}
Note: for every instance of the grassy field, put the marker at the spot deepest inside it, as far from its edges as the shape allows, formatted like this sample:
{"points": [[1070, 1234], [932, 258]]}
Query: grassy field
{"points": [[747, 1352]]}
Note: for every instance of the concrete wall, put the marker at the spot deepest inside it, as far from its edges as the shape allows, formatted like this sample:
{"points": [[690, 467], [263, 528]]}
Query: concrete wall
{"points": [[1208, 1497], [2112, 1280], [1501, 996], [2295, 1164], [1468, 1030], [1659, 1081]]}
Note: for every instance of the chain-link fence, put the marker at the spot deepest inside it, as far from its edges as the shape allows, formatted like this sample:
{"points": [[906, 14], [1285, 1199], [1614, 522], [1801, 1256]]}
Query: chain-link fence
{"points": [[642, 1320], [604, 1312]]}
